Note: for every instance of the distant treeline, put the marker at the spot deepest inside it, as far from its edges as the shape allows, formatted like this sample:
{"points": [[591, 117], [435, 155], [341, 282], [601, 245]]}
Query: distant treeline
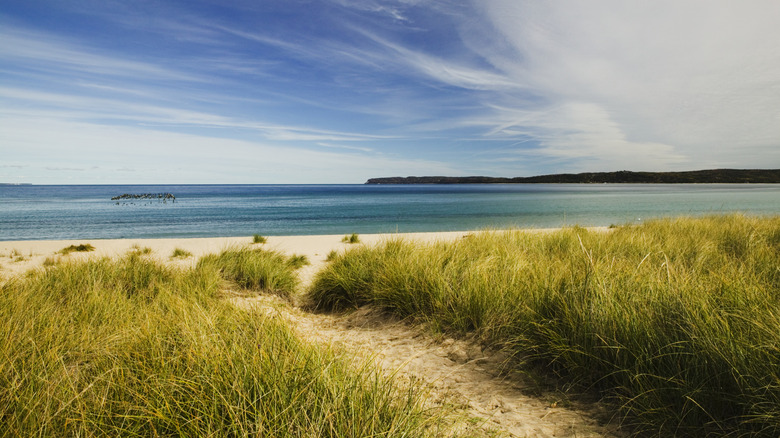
{"points": [[730, 176]]}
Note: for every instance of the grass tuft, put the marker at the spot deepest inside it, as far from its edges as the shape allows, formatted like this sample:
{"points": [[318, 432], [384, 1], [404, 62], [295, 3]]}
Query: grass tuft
{"points": [[298, 261], [257, 238], [83, 247], [255, 269], [353, 238], [180, 253], [139, 251]]}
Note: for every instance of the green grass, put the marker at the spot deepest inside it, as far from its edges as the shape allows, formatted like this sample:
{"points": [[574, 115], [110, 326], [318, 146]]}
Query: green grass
{"points": [[138, 250], [674, 322], [83, 247], [179, 253], [353, 238], [257, 238], [131, 347], [255, 269], [297, 261]]}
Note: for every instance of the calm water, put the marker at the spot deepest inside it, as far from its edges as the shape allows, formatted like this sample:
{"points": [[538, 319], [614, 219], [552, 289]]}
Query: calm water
{"points": [[81, 212]]}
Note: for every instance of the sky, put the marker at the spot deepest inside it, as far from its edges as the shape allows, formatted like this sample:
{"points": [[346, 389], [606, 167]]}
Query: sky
{"points": [[339, 91]]}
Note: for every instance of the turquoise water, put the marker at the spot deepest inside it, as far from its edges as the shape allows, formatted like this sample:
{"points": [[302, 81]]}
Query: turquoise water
{"points": [[87, 212]]}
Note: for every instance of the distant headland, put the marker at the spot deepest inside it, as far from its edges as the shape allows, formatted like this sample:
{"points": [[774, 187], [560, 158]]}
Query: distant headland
{"points": [[724, 176]]}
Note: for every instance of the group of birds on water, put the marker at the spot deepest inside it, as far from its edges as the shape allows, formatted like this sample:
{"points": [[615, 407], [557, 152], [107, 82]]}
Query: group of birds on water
{"points": [[160, 197]]}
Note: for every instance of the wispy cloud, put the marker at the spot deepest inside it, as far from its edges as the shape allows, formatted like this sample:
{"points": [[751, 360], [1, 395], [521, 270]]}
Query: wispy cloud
{"points": [[45, 52], [439, 69], [341, 146], [665, 84], [170, 157], [393, 9], [79, 108]]}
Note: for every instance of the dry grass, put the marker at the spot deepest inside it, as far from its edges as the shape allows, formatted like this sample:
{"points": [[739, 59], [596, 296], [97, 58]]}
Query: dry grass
{"points": [[675, 322], [131, 347]]}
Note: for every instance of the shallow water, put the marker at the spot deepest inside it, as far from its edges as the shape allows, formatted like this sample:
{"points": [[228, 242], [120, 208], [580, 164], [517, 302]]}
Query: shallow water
{"points": [[82, 212]]}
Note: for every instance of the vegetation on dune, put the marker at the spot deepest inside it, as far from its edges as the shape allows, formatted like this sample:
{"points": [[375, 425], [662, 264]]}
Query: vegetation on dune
{"points": [[297, 261], [257, 238], [676, 322], [83, 247], [353, 238], [731, 176], [131, 347], [138, 250], [255, 269], [179, 253]]}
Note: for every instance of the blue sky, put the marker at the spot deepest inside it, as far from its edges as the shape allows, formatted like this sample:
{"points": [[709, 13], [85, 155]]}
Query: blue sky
{"points": [[338, 91]]}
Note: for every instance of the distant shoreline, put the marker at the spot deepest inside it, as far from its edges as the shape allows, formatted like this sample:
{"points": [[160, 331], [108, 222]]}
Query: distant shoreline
{"points": [[714, 176]]}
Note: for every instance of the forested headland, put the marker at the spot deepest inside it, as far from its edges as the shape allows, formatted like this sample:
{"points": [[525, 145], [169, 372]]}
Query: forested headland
{"points": [[724, 176]]}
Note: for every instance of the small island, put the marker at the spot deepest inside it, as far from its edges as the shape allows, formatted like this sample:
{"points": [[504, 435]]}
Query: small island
{"points": [[715, 176]]}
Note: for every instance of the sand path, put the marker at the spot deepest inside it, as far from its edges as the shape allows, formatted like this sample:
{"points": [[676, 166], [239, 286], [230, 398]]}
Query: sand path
{"points": [[458, 373]]}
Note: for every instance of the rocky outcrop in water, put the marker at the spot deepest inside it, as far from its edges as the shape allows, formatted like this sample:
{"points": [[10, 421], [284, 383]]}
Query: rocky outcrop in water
{"points": [[160, 197]]}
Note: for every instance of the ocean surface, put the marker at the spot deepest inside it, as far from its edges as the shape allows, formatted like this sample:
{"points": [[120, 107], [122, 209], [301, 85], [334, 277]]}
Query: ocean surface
{"points": [[88, 212]]}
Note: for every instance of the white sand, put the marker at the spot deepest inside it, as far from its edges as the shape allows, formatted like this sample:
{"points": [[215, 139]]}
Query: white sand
{"points": [[19, 256]]}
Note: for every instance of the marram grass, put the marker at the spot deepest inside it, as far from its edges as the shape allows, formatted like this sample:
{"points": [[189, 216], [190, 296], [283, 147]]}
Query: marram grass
{"points": [[133, 348], [256, 269], [676, 322]]}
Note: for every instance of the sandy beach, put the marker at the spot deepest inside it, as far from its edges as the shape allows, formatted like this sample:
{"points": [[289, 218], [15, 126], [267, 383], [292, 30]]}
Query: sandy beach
{"points": [[18, 256]]}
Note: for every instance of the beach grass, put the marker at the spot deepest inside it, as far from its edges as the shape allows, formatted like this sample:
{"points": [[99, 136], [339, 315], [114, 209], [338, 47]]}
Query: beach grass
{"points": [[352, 238], [180, 253], [83, 247], [255, 269], [132, 347], [675, 323], [139, 250], [257, 238], [296, 261]]}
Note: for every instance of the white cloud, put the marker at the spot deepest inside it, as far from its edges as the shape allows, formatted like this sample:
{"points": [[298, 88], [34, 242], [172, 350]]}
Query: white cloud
{"points": [[437, 68], [341, 146], [80, 108], [665, 84], [158, 157]]}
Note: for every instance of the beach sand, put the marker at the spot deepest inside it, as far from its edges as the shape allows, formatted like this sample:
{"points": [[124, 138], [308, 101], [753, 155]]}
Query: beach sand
{"points": [[17, 257]]}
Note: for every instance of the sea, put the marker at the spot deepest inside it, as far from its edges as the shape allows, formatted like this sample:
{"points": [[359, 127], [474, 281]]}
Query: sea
{"points": [[46, 212]]}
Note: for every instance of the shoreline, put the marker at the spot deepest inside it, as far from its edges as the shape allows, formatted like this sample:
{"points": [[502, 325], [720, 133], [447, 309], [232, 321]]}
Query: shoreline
{"points": [[19, 256]]}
